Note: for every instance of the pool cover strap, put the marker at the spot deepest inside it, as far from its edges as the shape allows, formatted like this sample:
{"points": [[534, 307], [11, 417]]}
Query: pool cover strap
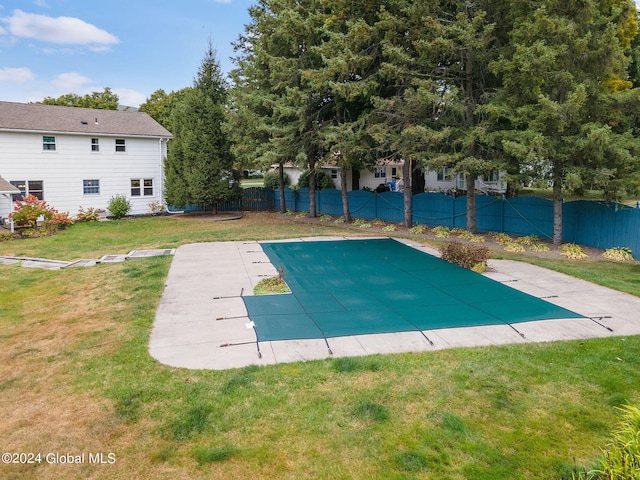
{"points": [[359, 287]]}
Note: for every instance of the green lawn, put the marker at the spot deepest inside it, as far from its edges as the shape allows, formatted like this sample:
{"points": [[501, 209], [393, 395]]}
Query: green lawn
{"points": [[75, 376]]}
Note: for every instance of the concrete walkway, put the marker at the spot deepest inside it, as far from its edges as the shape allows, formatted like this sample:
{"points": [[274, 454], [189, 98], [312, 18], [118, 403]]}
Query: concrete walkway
{"points": [[202, 322], [48, 264]]}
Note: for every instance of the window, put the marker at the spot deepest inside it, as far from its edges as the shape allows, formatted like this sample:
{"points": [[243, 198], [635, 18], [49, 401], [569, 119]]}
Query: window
{"points": [[492, 176], [120, 145], [442, 174], [381, 172], [135, 188], [334, 173], [148, 187], [91, 187], [29, 187], [394, 171], [142, 187], [48, 143], [95, 144]]}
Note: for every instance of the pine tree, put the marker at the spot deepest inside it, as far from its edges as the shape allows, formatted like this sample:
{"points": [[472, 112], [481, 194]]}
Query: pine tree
{"points": [[565, 79], [199, 167]]}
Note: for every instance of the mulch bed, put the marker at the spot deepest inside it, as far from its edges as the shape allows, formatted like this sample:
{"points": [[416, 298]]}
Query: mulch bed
{"points": [[429, 237]]}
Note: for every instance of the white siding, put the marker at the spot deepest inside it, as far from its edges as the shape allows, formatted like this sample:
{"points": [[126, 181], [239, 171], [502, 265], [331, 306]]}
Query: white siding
{"points": [[63, 170]]}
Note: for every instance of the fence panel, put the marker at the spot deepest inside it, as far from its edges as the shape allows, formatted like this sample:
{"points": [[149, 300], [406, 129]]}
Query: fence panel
{"points": [[390, 207], [433, 209], [363, 204], [330, 202], [489, 213], [627, 232], [460, 212], [596, 224], [257, 199], [302, 202], [590, 223], [527, 216]]}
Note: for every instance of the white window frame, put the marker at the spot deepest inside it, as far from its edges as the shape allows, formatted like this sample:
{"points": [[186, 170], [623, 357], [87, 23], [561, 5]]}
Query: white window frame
{"points": [[48, 143], [380, 172], [91, 186], [142, 187], [95, 144], [121, 147], [26, 187]]}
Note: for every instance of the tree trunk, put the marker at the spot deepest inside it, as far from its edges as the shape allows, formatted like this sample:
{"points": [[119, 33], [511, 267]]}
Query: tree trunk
{"points": [[311, 160], [283, 204], [408, 210], [417, 178], [345, 196], [471, 202], [557, 203]]}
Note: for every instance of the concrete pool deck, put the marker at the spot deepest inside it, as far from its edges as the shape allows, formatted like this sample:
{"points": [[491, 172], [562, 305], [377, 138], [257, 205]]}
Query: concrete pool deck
{"points": [[202, 322]]}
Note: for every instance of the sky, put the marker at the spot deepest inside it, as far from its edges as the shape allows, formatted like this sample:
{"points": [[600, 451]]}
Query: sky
{"points": [[52, 47]]}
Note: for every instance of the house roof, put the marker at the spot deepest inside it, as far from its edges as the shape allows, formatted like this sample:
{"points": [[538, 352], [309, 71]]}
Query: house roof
{"points": [[6, 187], [36, 117]]}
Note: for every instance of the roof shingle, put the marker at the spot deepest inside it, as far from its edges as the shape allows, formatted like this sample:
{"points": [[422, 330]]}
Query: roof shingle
{"points": [[53, 118]]}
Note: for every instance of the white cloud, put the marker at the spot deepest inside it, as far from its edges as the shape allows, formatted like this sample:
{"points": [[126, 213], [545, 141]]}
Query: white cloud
{"points": [[60, 30], [130, 98], [18, 75], [71, 81]]}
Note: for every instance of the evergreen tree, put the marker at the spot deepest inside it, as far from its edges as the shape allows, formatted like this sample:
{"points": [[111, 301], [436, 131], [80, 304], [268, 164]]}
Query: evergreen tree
{"points": [[199, 166], [565, 80]]}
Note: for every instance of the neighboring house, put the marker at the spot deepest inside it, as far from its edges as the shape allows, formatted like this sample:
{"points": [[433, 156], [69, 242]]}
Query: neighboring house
{"points": [[442, 181], [389, 171], [79, 157]]}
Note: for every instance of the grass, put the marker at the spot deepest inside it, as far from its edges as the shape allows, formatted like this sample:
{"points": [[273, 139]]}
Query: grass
{"points": [[76, 376], [587, 195]]}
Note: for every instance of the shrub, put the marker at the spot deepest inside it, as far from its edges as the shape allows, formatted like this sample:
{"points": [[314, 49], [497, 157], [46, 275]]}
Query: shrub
{"points": [[539, 247], [622, 460], [119, 206], [389, 228], [58, 220], [502, 238], [573, 251], [467, 256], [30, 209], [361, 222], [322, 180], [528, 240], [339, 220], [88, 215], [513, 247], [272, 179], [442, 232], [417, 230], [619, 254], [156, 207], [325, 218]]}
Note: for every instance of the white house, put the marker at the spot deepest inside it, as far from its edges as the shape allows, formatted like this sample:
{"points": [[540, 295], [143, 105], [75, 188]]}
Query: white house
{"points": [[79, 157], [389, 171]]}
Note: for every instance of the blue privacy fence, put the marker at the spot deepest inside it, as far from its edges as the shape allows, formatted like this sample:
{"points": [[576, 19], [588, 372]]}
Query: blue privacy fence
{"points": [[595, 224]]}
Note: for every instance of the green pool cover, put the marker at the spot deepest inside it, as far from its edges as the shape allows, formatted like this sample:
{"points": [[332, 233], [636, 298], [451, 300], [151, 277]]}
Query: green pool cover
{"points": [[358, 287]]}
